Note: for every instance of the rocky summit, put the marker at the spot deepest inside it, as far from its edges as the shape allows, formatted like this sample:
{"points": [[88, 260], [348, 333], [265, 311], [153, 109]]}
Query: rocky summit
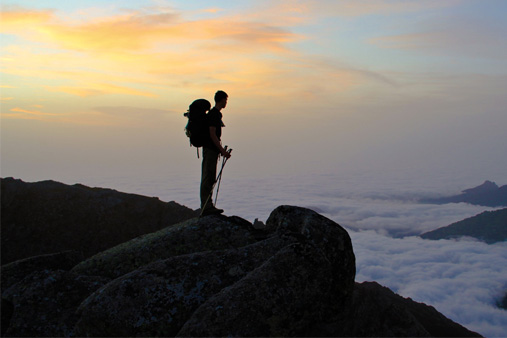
{"points": [[213, 276]]}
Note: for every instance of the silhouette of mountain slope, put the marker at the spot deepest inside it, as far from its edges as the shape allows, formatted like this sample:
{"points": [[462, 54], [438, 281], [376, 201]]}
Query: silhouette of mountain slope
{"points": [[48, 217], [489, 226]]}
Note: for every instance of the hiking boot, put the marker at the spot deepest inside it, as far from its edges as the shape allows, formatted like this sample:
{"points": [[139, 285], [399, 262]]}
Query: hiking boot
{"points": [[212, 211]]}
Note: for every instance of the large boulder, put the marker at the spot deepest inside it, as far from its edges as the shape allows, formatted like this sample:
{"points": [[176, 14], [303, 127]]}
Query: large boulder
{"points": [[280, 285], [48, 217], [158, 299], [18, 270]]}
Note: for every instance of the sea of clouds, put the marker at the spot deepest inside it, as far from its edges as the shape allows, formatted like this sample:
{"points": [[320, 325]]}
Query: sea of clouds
{"points": [[463, 279]]}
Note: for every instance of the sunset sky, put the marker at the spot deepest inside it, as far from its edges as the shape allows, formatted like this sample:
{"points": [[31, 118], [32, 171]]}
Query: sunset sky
{"points": [[98, 87]]}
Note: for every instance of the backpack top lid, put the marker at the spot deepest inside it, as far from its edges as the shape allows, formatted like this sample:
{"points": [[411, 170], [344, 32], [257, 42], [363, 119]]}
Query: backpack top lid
{"points": [[198, 108]]}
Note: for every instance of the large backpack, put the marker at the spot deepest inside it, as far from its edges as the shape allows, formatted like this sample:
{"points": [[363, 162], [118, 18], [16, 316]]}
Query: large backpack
{"points": [[197, 128]]}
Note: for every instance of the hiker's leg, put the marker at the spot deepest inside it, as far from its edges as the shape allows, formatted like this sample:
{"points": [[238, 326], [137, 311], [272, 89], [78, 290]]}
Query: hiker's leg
{"points": [[208, 175]]}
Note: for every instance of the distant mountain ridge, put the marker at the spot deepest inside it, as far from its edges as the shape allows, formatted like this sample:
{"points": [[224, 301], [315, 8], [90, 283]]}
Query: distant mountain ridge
{"points": [[489, 226], [48, 217], [488, 194]]}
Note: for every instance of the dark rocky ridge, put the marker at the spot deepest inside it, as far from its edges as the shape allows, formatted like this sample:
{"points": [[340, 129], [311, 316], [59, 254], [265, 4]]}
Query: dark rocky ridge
{"points": [[502, 303], [489, 226], [47, 217], [488, 194], [214, 276]]}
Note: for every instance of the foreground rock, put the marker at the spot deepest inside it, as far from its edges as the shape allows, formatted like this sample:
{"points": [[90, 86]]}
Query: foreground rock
{"points": [[217, 276], [376, 311], [168, 291], [277, 286], [45, 303], [195, 235], [291, 291], [49, 217], [14, 272]]}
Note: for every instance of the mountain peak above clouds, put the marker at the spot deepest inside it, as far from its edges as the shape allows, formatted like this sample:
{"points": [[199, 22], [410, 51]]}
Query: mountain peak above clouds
{"points": [[487, 194], [486, 187]]}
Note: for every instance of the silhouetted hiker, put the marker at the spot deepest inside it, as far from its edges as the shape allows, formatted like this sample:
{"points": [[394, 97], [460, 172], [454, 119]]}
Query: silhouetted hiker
{"points": [[211, 150]]}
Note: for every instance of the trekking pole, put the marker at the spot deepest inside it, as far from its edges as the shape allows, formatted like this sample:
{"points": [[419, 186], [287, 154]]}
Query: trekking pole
{"points": [[219, 178]]}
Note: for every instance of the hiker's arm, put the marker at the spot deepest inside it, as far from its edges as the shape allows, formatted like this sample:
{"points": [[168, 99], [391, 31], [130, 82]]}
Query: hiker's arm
{"points": [[216, 141]]}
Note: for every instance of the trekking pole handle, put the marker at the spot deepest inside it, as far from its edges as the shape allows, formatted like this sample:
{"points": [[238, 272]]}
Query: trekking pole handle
{"points": [[229, 151]]}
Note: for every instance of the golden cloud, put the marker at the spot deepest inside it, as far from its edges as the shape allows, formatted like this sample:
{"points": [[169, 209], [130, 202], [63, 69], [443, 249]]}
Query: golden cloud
{"points": [[26, 114], [140, 49], [212, 10], [98, 89], [152, 55], [159, 36], [31, 112], [87, 118], [139, 31], [14, 18]]}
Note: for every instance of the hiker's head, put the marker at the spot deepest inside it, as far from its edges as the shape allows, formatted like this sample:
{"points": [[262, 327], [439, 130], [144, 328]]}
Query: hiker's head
{"points": [[221, 99]]}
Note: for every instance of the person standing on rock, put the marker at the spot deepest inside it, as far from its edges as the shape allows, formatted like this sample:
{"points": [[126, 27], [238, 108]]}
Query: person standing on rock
{"points": [[211, 151]]}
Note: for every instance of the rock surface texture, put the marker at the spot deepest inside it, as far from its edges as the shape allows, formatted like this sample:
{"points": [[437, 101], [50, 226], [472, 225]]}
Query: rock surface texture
{"points": [[219, 276], [213, 276]]}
